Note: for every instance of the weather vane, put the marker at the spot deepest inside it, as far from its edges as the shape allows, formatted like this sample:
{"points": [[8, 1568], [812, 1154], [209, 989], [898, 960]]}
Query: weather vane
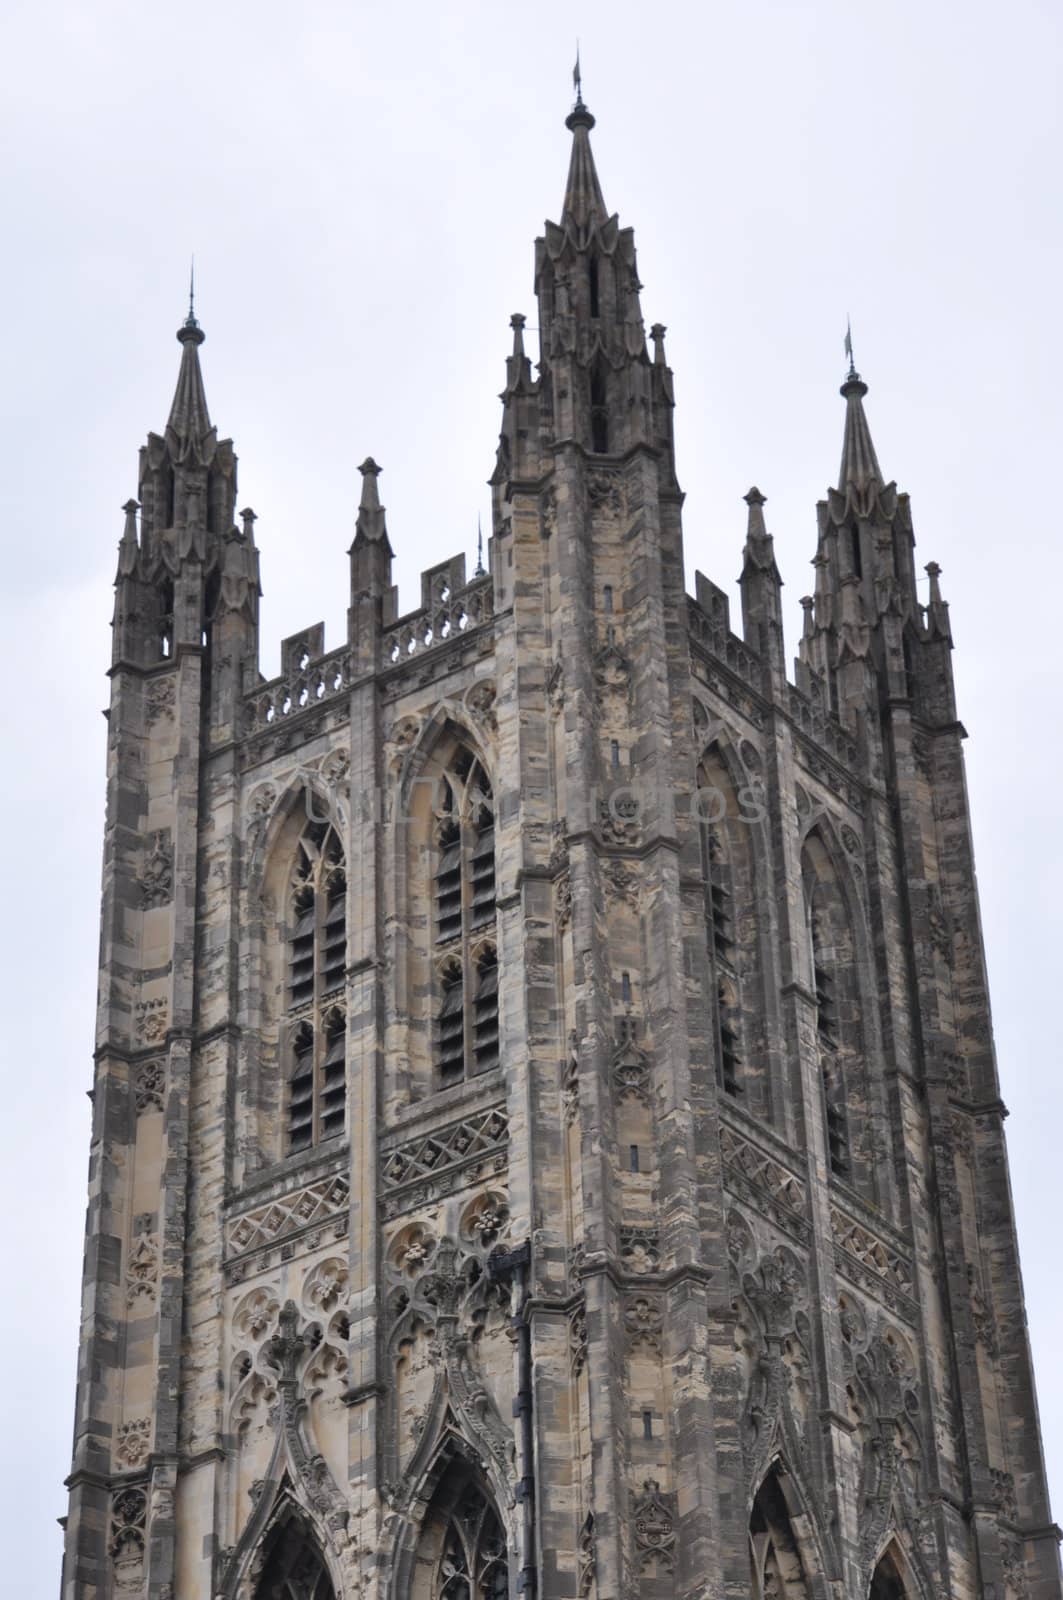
{"points": [[577, 78], [849, 346], [191, 323]]}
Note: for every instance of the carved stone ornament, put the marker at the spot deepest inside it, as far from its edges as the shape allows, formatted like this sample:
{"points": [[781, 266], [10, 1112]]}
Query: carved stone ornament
{"points": [[653, 1519], [127, 1540], [605, 492], [563, 900], [643, 1323], [142, 1269], [155, 878], [162, 697], [775, 1289], [631, 1070], [289, 1354], [577, 1340], [455, 1299], [570, 1082], [486, 1219], [152, 1019], [622, 883], [149, 1086], [555, 687], [587, 1559], [325, 1286], [619, 817], [640, 1249], [612, 670], [133, 1443], [479, 701]]}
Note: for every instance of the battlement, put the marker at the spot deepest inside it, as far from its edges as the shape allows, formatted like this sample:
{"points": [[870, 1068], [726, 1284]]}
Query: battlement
{"points": [[308, 677], [709, 622], [449, 606]]}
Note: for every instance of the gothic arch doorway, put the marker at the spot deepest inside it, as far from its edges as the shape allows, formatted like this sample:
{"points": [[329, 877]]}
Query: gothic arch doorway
{"points": [[461, 1554], [293, 1567]]}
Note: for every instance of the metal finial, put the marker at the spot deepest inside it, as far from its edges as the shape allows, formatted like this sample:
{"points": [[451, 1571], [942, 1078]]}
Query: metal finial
{"points": [[849, 348], [481, 571], [577, 78], [190, 320]]}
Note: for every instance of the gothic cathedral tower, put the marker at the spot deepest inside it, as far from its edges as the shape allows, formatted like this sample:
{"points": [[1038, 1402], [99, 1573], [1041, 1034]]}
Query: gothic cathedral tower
{"points": [[547, 1139]]}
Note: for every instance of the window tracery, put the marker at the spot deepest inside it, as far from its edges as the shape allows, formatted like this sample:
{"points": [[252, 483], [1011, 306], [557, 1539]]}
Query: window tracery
{"points": [[777, 1571], [294, 1568], [473, 1564], [317, 963]]}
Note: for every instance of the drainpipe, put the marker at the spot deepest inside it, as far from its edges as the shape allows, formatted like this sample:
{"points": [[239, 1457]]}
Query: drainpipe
{"points": [[514, 1267]]}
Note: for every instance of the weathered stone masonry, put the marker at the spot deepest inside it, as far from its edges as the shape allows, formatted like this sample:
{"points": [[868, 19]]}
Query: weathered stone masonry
{"points": [[547, 1137]]}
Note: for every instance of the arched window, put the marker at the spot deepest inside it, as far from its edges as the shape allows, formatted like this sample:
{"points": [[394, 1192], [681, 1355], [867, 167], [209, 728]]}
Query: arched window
{"points": [[316, 1024], [293, 1568], [839, 1022], [464, 921], [777, 1571], [592, 280], [731, 929], [462, 1554], [886, 1583]]}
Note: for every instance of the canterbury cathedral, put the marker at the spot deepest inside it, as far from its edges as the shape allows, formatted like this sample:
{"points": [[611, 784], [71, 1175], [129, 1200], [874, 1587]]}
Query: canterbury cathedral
{"points": [[547, 1141]]}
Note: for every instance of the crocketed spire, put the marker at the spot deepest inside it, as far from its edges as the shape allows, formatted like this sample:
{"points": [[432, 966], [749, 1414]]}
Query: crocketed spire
{"points": [[371, 524], [862, 491], [859, 462], [189, 425], [584, 203]]}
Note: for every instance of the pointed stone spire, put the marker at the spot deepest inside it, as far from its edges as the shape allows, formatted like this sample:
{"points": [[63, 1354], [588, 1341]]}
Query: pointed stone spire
{"points": [[759, 552], [129, 549], [761, 601], [937, 611], [859, 465], [584, 203], [371, 523], [189, 431], [518, 367], [373, 599]]}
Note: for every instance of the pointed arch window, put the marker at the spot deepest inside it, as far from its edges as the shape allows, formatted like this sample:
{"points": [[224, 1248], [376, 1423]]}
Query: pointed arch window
{"points": [[776, 1567], [731, 927], [464, 921], [294, 1568], [839, 1027], [316, 1029], [599, 411], [473, 1563], [887, 1583]]}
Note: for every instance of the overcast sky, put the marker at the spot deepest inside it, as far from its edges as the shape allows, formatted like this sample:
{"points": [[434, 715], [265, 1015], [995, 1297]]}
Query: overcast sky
{"points": [[361, 187]]}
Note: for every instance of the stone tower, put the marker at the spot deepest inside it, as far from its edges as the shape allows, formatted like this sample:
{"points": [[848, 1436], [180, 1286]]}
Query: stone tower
{"points": [[547, 1139]]}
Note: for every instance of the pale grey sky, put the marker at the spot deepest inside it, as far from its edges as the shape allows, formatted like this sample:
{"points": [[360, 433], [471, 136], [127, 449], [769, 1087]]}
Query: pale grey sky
{"points": [[361, 186]]}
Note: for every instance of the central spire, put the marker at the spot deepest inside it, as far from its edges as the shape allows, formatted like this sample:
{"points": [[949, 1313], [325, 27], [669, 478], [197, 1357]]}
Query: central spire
{"points": [[189, 422], [859, 467], [584, 203]]}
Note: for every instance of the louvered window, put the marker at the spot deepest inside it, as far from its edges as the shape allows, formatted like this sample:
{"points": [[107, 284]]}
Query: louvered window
{"points": [[720, 929], [452, 1027], [486, 1017], [316, 1027], [464, 920]]}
